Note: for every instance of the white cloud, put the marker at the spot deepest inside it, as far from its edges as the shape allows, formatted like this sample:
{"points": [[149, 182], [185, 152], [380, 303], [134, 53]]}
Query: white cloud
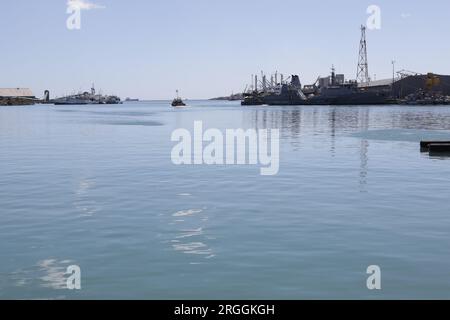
{"points": [[83, 5], [405, 15]]}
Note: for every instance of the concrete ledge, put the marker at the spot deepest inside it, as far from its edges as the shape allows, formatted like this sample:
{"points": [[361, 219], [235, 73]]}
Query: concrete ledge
{"points": [[439, 148], [425, 145]]}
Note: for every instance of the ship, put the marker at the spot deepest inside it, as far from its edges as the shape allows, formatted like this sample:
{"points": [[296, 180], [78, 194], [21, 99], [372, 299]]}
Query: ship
{"points": [[331, 90], [86, 98], [178, 102]]}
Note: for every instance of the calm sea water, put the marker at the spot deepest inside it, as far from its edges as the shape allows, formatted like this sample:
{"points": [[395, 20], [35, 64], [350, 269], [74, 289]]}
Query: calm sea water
{"points": [[94, 186]]}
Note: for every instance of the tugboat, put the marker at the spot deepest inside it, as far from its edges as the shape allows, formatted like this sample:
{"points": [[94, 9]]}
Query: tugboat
{"points": [[177, 102]]}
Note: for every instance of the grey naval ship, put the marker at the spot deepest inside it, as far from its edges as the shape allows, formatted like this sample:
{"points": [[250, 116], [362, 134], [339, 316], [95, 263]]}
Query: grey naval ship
{"points": [[333, 90], [86, 98], [405, 88]]}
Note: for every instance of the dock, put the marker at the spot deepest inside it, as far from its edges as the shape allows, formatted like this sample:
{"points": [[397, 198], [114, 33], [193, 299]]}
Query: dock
{"points": [[435, 147]]}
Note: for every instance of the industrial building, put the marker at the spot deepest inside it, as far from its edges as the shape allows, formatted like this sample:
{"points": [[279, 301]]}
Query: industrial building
{"points": [[16, 96], [433, 83], [407, 84]]}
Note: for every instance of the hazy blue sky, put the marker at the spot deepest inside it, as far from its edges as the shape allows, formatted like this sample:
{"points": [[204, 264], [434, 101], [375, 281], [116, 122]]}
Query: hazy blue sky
{"points": [[206, 48]]}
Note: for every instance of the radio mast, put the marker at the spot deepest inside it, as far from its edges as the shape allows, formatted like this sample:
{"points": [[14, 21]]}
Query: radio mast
{"points": [[362, 75]]}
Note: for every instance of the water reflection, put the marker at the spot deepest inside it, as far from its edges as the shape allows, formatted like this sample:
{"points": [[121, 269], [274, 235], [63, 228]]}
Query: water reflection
{"points": [[122, 113], [292, 122], [364, 164], [332, 121], [434, 118], [440, 156], [84, 202], [366, 123], [295, 120], [54, 273], [363, 125], [47, 273], [145, 123], [189, 236]]}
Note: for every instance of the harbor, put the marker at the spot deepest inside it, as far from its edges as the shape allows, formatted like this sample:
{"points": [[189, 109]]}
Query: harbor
{"points": [[253, 152], [24, 96], [404, 88], [407, 87]]}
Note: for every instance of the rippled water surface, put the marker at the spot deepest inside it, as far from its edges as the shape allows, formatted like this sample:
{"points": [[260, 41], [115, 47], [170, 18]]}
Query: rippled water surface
{"points": [[94, 186]]}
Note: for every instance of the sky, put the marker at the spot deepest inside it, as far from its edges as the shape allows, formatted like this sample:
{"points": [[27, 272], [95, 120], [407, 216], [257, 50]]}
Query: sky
{"points": [[207, 48]]}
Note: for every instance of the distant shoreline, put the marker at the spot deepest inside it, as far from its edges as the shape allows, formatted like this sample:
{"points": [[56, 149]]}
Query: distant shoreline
{"points": [[233, 97]]}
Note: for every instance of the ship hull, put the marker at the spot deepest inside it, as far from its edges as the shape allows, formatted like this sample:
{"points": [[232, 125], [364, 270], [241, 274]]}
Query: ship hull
{"points": [[331, 97]]}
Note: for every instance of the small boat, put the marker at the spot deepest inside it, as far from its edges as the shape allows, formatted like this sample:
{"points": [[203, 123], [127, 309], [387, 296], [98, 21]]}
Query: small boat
{"points": [[177, 102]]}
